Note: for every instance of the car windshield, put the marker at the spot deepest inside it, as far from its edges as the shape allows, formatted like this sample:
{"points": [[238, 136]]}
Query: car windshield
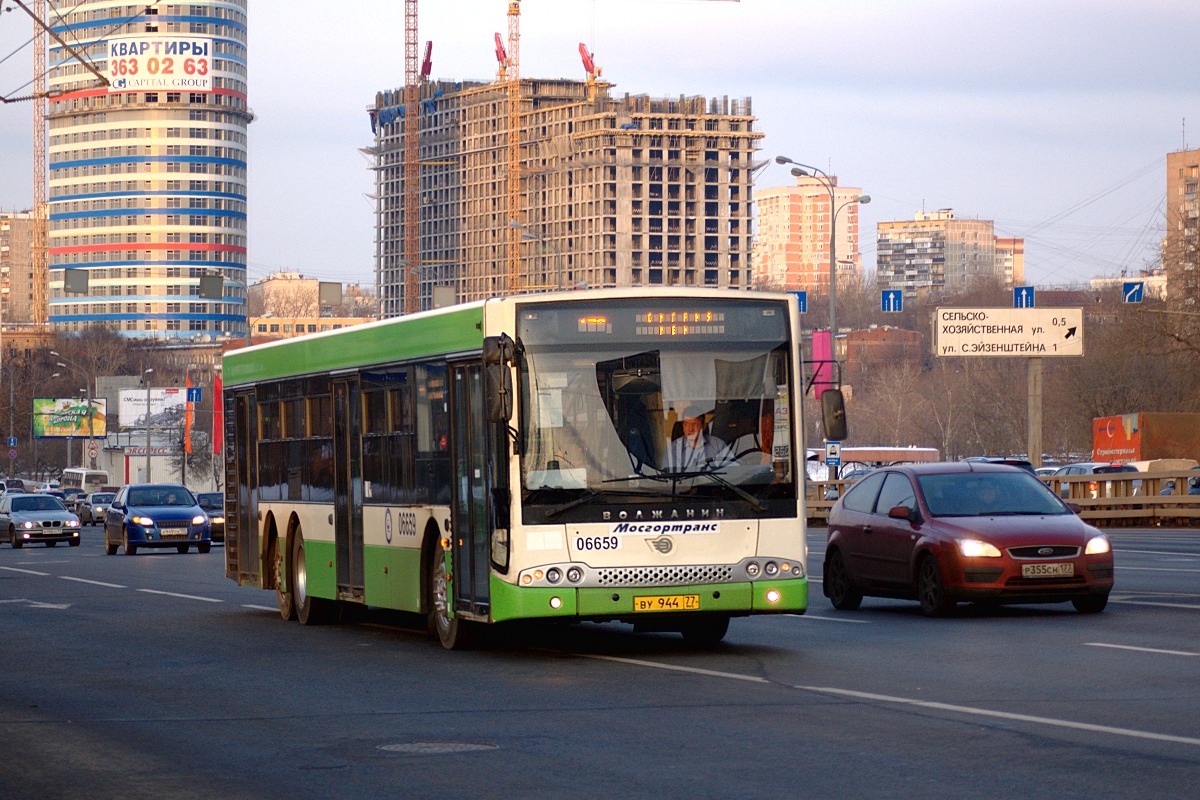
{"points": [[982, 494], [37, 503], [161, 496], [102, 498]]}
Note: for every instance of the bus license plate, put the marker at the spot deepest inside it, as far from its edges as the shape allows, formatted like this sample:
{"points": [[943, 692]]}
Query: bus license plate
{"points": [[670, 602], [1064, 570]]}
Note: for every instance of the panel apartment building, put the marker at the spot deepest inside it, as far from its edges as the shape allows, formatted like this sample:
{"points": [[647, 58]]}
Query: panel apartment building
{"points": [[627, 191], [146, 189], [938, 253], [791, 248], [16, 269], [1181, 246]]}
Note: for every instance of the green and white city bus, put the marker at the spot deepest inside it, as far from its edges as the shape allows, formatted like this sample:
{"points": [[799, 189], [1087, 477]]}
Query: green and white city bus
{"points": [[512, 459]]}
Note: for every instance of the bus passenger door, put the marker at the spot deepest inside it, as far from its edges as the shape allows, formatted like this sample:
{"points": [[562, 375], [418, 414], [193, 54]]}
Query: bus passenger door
{"points": [[241, 488], [347, 487], [469, 472]]}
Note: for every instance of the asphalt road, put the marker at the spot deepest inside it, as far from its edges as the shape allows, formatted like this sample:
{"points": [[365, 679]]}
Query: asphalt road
{"points": [[155, 676]]}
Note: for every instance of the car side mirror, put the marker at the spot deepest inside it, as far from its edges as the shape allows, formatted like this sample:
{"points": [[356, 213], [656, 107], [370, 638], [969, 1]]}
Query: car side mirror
{"points": [[1075, 508], [904, 512]]}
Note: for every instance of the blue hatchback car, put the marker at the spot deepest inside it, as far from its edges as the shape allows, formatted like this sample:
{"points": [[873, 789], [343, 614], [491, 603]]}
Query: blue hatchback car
{"points": [[156, 515]]}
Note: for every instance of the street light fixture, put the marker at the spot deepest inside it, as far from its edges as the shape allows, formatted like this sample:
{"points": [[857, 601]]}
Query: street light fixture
{"points": [[821, 177]]}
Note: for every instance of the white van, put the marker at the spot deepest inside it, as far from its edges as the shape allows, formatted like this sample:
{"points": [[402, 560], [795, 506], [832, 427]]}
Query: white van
{"points": [[85, 480]]}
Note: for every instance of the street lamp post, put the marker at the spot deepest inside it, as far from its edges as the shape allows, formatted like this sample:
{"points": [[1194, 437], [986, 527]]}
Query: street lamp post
{"points": [[146, 378], [803, 170], [532, 235], [90, 412]]}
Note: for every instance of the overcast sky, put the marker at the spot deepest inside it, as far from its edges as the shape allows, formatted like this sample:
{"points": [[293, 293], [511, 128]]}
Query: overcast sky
{"points": [[1051, 117]]}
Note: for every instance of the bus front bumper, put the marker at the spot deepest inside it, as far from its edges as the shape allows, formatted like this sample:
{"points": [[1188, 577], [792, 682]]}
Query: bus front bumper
{"points": [[511, 602]]}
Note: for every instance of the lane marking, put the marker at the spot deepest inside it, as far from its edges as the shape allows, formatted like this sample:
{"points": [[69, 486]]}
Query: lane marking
{"points": [[985, 712], [183, 596], [637, 662], [908, 701], [1141, 649], [1159, 605], [833, 619], [27, 571], [260, 608], [1155, 569], [94, 583], [1155, 552]]}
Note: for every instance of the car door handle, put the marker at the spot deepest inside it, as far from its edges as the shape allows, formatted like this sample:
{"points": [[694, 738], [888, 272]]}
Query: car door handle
{"points": [[867, 529]]}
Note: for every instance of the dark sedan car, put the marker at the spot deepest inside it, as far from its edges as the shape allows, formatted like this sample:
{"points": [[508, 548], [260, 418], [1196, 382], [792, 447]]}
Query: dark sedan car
{"points": [[965, 531], [213, 504], [155, 515]]}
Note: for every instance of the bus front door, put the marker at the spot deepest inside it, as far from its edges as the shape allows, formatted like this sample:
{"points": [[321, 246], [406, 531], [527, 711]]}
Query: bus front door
{"points": [[470, 512], [348, 488]]}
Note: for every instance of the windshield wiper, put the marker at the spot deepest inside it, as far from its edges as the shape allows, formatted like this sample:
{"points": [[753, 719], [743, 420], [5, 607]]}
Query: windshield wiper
{"points": [[754, 502]]}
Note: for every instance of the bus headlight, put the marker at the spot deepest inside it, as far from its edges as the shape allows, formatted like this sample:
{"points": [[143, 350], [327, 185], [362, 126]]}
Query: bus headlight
{"points": [[574, 574]]}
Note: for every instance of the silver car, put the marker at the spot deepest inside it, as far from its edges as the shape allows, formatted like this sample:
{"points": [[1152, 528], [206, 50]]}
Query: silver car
{"points": [[32, 518], [92, 507]]}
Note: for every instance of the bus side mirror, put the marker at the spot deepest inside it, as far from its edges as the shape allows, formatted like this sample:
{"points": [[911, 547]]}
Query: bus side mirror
{"points": [[497, 377], [833, 415]]}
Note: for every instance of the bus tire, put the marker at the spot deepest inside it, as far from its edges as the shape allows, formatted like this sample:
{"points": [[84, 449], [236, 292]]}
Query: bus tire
{"points": [[283, 598], [705, 630], [455, 633], [309, 610]]}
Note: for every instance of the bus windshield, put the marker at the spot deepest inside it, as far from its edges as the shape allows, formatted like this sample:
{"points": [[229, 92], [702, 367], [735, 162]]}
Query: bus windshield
{"points": [[644, 403]]}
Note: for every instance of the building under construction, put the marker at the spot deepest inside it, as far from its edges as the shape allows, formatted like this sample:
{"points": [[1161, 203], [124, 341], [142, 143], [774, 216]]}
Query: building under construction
{"points": [[595, 190]]}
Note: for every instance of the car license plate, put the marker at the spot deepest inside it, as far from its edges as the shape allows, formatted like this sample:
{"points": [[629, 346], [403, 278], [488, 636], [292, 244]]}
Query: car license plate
{"points": [[174, 534], [669, 602], [1062, 570]]}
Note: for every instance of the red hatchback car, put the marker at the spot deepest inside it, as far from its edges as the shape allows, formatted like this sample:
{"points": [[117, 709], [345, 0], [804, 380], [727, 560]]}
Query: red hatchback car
{"points": [[962, 531]]}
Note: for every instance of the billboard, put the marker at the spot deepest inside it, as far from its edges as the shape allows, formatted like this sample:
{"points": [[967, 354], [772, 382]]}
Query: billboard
{"points": [[67, 418], [152, 62], [165, 405]]}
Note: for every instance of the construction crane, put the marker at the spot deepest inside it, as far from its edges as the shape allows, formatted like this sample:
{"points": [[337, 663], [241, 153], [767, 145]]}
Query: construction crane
{"points": [[41, 217], [412, 170], [512, 76]]}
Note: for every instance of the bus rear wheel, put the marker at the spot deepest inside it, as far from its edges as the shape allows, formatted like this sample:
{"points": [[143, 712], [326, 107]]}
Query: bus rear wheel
{"points": [[309, 610], [454, 632], [283, 597]]}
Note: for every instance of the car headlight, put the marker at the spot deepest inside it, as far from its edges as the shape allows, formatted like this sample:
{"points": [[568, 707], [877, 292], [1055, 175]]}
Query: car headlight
{"points": [[973, 548], [218, 520], [1097, 545], [72, 523], [199, 519], [145, 522]]}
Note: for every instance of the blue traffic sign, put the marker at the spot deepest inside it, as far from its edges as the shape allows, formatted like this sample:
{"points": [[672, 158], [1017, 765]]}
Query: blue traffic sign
{"points": [[892, 300], [1131, 291], [193, 394], [12, 441], [1022, 297], [802, 300]]}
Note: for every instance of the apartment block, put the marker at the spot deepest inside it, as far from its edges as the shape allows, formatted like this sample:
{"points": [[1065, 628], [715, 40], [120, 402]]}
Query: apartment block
{"points": [[146, 185], [791, 246], [1179, 252], [609, 191], [936, 253], [16, 268]]}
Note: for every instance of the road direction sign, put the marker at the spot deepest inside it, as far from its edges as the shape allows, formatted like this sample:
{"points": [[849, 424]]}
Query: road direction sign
{"points": [[833, 454], [892, 300], [12, 441], [1022, 297], [802, 300], [1131, 291], [1030, 332], [194, 393]]}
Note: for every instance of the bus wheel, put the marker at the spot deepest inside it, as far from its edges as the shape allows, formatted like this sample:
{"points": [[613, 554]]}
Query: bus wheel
{"points": [[708, 629], [309, 610], [455, 633], [287, 608]]}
